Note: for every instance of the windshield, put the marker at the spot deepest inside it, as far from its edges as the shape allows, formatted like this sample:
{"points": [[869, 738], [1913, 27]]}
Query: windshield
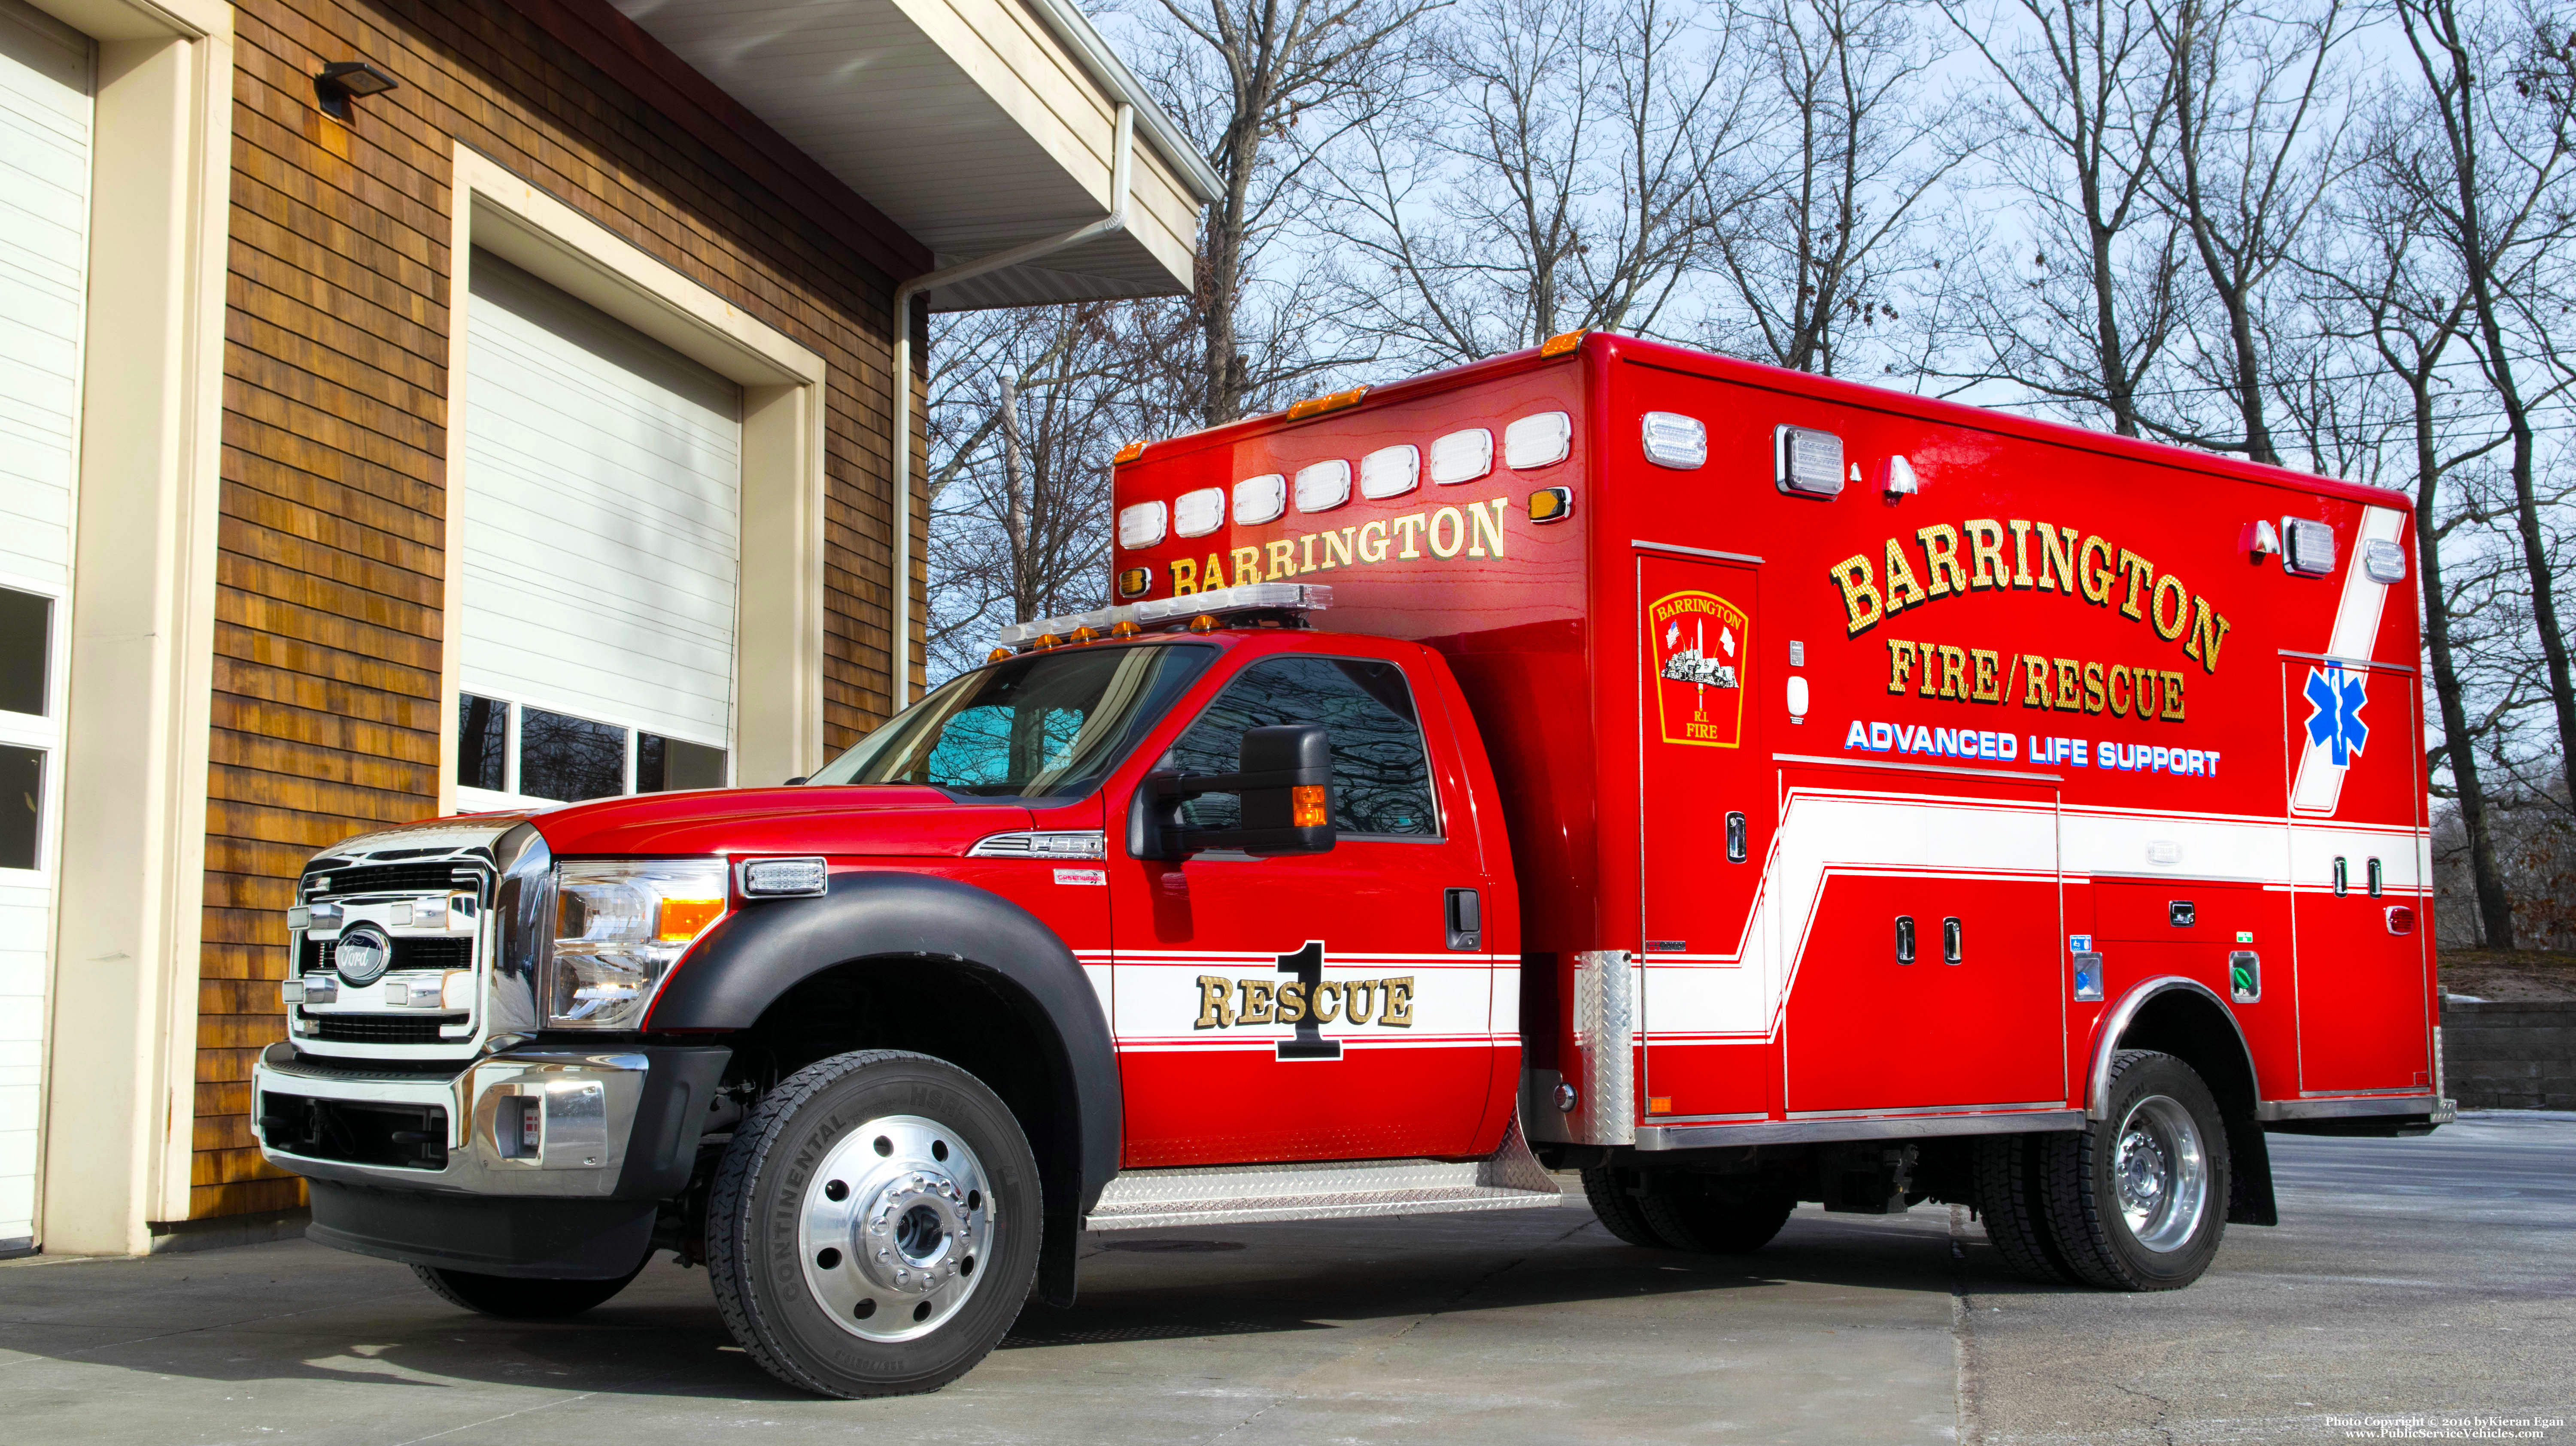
{"points": [[1048, 725]]}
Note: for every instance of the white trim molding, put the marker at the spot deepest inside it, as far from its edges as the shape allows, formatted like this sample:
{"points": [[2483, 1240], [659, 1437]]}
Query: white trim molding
{"points": [[778, 650], [120, 1067]]}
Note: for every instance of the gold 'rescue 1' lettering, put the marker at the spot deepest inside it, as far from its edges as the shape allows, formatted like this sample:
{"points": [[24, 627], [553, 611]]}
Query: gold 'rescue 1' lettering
{"points": [[1225, 1003]]}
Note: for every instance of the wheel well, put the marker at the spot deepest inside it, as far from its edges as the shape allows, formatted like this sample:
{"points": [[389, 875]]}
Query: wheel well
{"points": [[2185, 1024], [949, 1009]]}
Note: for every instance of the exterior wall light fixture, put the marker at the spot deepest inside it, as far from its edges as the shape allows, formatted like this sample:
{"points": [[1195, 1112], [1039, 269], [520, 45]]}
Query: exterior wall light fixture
{"points": [[342, 81]]}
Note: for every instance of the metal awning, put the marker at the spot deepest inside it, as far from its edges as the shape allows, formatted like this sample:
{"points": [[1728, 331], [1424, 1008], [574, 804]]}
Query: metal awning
{"points": [[976, 125]]}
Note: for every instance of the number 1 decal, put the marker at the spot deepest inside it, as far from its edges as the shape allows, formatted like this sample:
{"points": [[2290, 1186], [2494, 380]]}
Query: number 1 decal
{"points": [[1308, 965]]}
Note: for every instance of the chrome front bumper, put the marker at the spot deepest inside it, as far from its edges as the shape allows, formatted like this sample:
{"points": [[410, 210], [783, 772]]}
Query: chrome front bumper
{"points": [[619, 1123]]}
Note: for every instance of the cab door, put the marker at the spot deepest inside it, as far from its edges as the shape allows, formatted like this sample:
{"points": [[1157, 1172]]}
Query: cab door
{"points": [[1315, 1007]]}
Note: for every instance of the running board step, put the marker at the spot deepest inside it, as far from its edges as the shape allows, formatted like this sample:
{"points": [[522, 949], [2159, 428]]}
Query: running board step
{"points": [[1510, 1178]]}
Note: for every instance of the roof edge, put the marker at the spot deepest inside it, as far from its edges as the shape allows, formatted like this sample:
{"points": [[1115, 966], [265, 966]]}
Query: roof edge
{"points": [[1111, 74]]}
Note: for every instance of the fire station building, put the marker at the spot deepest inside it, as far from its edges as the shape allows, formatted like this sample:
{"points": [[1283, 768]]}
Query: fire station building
{"points": [[408, 405]]}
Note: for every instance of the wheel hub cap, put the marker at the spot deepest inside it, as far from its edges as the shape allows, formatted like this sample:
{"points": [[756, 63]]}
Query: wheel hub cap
{"points": [[894, 1226], [2160, 1174]]}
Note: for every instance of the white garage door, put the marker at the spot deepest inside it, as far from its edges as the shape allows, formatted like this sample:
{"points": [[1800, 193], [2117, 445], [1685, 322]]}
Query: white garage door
{"points": [[603, 485], [44, 253]]}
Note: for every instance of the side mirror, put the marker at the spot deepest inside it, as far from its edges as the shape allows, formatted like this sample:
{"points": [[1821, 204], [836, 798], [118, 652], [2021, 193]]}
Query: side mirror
{"points": [[1284, 775]]}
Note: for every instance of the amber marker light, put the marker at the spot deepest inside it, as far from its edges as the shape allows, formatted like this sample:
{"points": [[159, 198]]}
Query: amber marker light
{"points": [[1127, 454], [1203, 623], [1561, 343], [1047, 640], [685, 919], [1086, 634], [1306, 806], [1124, 628], [1329, 402], [1136, 582], [998, 654], [1551, 504]]}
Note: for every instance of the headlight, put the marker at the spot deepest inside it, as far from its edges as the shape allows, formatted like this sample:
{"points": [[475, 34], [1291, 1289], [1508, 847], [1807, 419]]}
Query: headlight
{"points": [[619, 927]]}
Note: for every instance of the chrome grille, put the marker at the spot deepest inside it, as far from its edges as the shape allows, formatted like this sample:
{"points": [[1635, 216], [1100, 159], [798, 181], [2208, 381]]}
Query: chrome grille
{"points": [[409, 953], [377, 1028], [393, 879]]}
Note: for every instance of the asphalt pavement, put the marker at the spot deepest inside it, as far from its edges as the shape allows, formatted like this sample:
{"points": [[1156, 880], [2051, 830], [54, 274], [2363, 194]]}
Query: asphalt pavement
{"points": [[2429, 1281]]}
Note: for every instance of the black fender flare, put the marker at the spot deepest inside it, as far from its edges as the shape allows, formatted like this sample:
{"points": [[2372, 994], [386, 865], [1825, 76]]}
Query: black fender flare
{"points": [[766, 947]]}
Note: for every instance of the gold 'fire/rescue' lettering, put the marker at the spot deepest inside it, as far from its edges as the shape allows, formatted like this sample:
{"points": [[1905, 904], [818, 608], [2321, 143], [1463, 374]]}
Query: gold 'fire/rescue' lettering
{"points": [[1225, 1003]]}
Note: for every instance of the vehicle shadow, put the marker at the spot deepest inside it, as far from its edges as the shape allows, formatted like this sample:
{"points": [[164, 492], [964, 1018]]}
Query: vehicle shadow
{"points": [[663, 1337]]}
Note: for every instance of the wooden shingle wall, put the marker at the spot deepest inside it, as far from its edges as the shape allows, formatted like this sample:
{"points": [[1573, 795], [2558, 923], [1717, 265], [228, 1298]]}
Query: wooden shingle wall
{"points": [[329, 606]]}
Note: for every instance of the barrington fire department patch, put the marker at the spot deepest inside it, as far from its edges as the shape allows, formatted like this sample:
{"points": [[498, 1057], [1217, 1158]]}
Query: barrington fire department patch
{"points": [[1695, 646]]}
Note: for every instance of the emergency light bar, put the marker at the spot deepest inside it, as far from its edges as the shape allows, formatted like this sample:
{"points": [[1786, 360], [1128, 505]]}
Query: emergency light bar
{"points": [[1219, 603]]}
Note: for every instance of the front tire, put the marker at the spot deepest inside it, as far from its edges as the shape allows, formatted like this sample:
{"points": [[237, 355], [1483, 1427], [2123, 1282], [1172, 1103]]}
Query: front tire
{"points": [[1709, 1219], [509, 1297], [873, 1227], [2138, 1201]]}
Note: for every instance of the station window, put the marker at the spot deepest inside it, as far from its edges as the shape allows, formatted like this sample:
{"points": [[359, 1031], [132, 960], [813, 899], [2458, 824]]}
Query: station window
{"points": [[523, 752]]}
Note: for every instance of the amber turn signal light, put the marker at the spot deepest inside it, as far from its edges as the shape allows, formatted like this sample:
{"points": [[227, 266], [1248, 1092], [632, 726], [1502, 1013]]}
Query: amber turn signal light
{"points": [[1329, 402], [1561, 343], [684, 919], [1306, 806], [1136, 582], [1551, 504]]}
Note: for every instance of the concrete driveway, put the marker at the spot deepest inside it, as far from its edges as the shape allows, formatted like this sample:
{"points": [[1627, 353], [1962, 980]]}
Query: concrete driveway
{"points": [[2414, 1278]]}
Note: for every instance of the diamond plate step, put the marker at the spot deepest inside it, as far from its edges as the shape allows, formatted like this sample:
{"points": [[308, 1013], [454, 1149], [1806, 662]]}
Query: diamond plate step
{"points": [[1509, 1178]]}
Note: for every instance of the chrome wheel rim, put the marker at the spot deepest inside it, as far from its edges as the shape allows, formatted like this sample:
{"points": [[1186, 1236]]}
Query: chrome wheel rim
{"points": [[895, 1228], [2160, 1171]]}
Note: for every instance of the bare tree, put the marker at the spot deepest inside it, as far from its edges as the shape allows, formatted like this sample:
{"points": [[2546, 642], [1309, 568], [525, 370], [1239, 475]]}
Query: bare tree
{"points": [[2081, 101], [1026, 409], [1856, 153], [2256, 138], [1245, 73], [1552, 174], [2505, 212], [2385, 279]]}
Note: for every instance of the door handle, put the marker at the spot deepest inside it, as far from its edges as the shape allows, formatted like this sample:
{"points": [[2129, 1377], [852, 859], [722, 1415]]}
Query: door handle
{"points": [[1466, 920], [1953, 941], [1735, 838]]}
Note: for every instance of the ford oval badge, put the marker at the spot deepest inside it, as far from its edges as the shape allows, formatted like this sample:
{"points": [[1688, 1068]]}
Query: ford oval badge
{"points": [[362, 954]]}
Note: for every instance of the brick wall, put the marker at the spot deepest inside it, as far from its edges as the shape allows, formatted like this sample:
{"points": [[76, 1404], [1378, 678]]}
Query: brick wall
{"points": [[2510, 1056], [329, 605]]}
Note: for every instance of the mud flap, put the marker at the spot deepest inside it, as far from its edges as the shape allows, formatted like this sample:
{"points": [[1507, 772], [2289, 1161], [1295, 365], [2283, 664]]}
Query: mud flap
{"points": [[2249, 1181]]}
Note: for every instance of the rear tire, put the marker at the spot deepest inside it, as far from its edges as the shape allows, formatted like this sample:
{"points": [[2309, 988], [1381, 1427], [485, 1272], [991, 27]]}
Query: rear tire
{"points": [[510, 1297], [2138, 1200], [1706, 1219], [2011, 1204], [1622, 1214], [873, 1227]]}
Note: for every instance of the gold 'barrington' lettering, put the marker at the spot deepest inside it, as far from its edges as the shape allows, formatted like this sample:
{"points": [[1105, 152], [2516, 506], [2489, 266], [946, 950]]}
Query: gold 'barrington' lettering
{"points": [[1225, 1003], [1469, 529], [1983, 554]]}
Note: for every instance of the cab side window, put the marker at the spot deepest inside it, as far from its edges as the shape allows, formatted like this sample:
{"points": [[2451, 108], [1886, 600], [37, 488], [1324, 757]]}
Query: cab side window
{"points": [[1381, 776]]}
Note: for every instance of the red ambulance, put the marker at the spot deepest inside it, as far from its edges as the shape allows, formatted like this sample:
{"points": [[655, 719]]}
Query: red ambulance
{"points": [[1741, 787]]}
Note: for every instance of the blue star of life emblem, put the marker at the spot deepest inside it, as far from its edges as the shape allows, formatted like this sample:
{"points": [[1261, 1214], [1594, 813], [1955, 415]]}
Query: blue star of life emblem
{"points": [[2335, 722]]}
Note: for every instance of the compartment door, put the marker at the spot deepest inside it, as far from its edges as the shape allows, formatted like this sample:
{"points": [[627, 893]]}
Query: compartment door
{"points": [[1707, 809], [2364, 990]]}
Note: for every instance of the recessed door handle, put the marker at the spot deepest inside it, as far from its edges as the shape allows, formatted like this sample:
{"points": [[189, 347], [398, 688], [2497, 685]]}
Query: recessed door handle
{"points": [[1735, 838], [1905, 938], [1466, 920], [1952, 941]]}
